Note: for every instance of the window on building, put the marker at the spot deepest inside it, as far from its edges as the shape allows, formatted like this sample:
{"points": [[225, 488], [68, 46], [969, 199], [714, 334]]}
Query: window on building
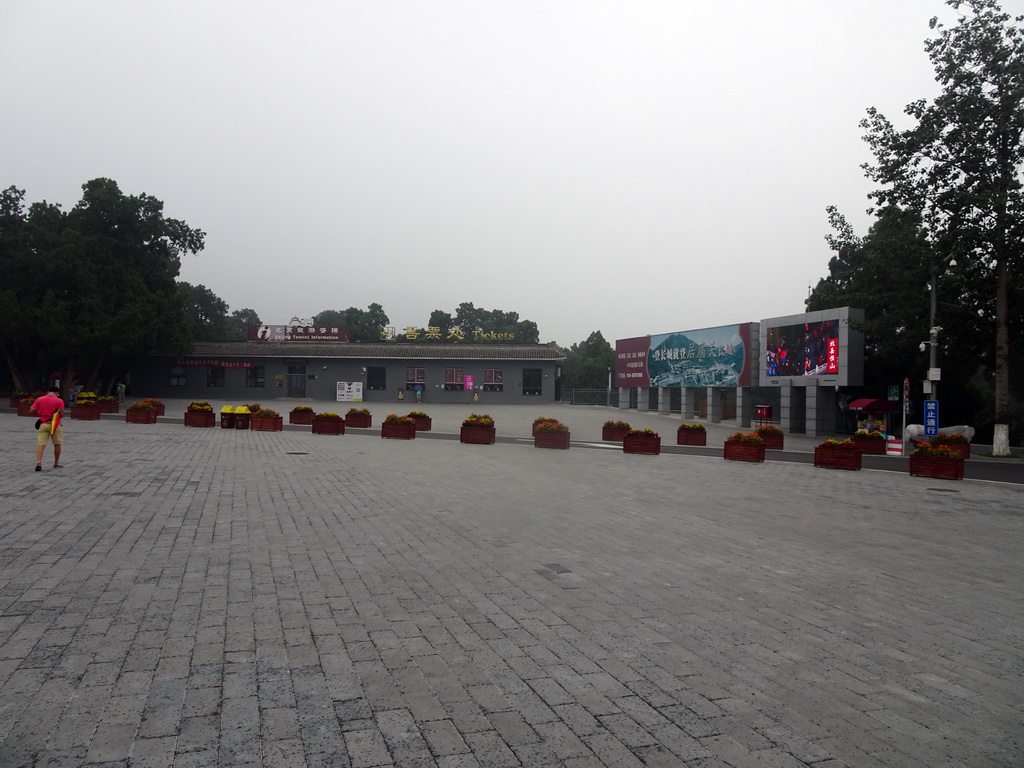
{"points": [[214, 376], [533, 381], [376, 378], [178, 377], [492, 380], [415, 375], [254, 377], [454, 378]]}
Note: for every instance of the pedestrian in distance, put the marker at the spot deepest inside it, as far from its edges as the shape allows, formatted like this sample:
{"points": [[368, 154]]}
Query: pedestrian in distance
{"points": [[49, 408], [121, 387]]}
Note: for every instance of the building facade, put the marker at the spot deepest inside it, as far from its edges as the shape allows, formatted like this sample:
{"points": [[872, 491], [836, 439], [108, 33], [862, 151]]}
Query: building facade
{"points": [[387, 371]]}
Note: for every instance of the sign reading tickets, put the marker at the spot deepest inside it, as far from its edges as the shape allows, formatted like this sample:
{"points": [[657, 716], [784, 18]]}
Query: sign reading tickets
{"points": [[709, 357], [350, 391]]}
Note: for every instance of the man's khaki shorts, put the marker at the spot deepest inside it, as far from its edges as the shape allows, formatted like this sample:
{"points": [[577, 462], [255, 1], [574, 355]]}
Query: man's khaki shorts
{"points": [[45, 436]]}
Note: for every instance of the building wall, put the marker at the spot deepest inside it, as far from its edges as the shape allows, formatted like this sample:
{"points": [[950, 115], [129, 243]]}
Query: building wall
{"points": [[319, 377]]}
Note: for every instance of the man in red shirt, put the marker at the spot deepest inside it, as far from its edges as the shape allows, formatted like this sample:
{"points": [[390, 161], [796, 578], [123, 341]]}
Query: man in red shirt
{"points": [[46, 406]]}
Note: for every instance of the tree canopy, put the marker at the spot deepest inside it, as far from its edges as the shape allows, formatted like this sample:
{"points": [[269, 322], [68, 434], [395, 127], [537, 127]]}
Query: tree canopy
{"points": [[587, 363], [87, 289], [959, 168]]}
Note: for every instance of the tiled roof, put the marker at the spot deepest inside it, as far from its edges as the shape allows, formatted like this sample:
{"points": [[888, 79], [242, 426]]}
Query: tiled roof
{"points": [[379, 351]]}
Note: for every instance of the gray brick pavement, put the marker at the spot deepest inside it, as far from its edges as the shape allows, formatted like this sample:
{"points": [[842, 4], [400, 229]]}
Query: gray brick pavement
{"points": [[187, 597]]}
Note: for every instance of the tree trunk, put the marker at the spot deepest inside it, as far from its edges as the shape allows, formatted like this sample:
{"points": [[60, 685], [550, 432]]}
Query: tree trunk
{"points": [[19, 379], [1001, 438]]}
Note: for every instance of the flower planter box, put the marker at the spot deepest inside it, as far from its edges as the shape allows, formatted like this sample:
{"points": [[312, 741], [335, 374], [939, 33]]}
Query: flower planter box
{"points": [[266, 423], [85, 412], [962, 449], [477, 435], [25, 409], [873, 446], [227, 421], [550, 439], [398, 431], [774, 442], [358, 422], [942, 467], [422, 423], [197, 418], [743, 452], [300, 417], [837, 458], [691, 436], [328, 426], [160, 408], [140, 417], [242, 420], [645, 444], [109, 406], [613, 434]]}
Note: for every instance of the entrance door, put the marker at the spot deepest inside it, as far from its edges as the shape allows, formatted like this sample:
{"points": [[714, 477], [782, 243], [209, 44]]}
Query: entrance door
{"points": [[296, 381]]}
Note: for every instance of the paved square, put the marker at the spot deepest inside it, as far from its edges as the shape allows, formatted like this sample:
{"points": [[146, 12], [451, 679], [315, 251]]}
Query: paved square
{"points": [[204, 597]]}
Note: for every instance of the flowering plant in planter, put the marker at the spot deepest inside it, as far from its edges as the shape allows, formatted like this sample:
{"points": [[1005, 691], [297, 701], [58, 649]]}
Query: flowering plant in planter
{"points": [[752, 438], [358, 412], [934, 451], [416, 414], [201, 406], [550, 426], [956, 438], [768, 429], [616, 424], [846, 445], [543, 420], [642, 433], [328, 415], [302, 408], [695, 426], [156, 401], [106, 399], [143, 406], [478, 420], [85, 396], [264, 413], [394, 418]]}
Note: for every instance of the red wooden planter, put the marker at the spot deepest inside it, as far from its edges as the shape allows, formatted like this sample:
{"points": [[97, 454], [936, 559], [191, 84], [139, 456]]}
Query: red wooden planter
{"points": [[550, 439], [646, 444], [140, 417], [108, 406], [422, 423], [942, 467], [963, 450], [266, 423], [873, 446], [398, 431], [613, 434], [477, 435], [300, 417], [198, 418], [691, 436], [328, 426], [25, 408], [85, 412], [160, 408], [773, 442], [743, 452], [358, 422], [837, 458]]}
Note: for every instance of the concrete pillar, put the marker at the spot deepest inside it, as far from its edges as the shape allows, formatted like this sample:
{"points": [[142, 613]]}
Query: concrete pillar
{"points": [[744, 406], [689, 403], [643, 399], [714, 406], [821, 411], [794, 401], [664, 400], [624, 398]]}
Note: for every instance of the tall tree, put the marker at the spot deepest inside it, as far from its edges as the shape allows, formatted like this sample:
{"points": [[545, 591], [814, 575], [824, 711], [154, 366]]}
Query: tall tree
{"points": [[207, 312], [588, 362], [364, 325], [237, 328], [960, 165]]}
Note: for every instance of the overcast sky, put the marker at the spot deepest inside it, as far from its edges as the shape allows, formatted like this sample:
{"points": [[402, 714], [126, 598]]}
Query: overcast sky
{"points": [[631, 167]]}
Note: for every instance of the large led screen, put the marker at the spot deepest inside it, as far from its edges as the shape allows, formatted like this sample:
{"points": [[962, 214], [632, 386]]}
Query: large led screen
{"points": [[807, 349]]}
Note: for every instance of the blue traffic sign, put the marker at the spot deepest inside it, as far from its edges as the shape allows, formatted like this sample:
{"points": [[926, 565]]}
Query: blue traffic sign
{"points": [[931, 418]]}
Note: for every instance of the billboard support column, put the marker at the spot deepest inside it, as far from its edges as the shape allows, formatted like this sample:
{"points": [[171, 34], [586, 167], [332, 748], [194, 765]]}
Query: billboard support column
{"points": [[688, 396], [623, 398], [643, 399], [787, 409], [664, 400], [821, 411], [744, 406], [714, 405]]}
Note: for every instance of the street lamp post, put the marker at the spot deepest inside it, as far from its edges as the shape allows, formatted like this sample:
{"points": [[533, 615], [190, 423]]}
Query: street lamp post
{"points": [[609, 402], [934, 330]]}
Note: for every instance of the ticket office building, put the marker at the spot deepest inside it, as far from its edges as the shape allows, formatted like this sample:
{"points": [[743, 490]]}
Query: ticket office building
{"points": [[441, 373]]}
